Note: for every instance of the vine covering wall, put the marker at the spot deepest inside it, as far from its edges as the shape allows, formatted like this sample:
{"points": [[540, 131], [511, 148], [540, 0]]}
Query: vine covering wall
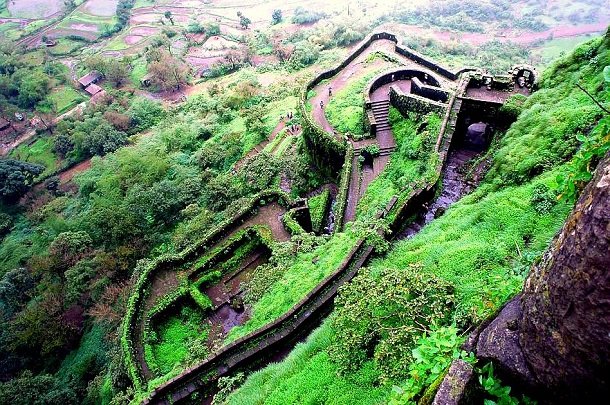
{"points": [[146, 269]]}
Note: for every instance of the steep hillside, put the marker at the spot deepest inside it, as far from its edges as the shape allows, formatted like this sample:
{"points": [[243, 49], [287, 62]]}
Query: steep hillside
{"points": [[462, 267]]}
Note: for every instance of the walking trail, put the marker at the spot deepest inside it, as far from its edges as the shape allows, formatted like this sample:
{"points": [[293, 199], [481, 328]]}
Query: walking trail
{"points": [[384, 138]]}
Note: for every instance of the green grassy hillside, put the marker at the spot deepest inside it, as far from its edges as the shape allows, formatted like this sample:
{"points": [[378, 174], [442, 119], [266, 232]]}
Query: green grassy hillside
{"points": [[479, 251]]}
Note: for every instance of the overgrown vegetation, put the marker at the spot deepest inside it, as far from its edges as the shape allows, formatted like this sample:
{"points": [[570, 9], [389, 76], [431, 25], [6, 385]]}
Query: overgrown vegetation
{"points": [[318, 208], [72, 248], [413, 162], [481, 247]]}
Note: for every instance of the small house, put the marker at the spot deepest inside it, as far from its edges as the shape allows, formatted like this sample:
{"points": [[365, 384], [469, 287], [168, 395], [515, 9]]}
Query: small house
{"points": [[93, 89], [89, 79]]}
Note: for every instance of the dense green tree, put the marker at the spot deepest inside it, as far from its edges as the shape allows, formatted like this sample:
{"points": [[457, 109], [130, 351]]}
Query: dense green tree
{"points": [[195, 27], [32, 86], [6, 221], [16, 177], [305, 53], [145, 113], [15, 287], [117, 72], [276, 17], [168, 72], [103, 139], [78, 278], [380, 317], [212, 29], [305, 16], [244, 21], [69, 247], [38, 390], [62, 143], [44, 328], [168, 15], [259, 172]]}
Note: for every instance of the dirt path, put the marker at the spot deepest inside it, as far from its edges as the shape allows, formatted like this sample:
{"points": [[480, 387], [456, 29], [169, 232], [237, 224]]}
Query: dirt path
{"points": [[68, 175], [259, 148], [6, 148], [339, 81], [360, 179]]}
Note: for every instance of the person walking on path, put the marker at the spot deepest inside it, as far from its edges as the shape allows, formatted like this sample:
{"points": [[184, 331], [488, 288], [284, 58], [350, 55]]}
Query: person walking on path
{"points": [[330, 91], [321, 104]]}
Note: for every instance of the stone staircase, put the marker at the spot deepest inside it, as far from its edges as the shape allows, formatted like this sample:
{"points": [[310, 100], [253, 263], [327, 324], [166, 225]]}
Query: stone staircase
{"points": [[382, 152], [381, 111]]}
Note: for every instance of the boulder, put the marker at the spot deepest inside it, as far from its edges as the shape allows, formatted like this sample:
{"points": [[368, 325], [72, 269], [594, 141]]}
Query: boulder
{"points": [[499, 342]]}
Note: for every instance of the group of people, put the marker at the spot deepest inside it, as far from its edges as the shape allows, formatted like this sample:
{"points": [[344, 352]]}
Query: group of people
{"points": [[330, 93], [292, 128]]}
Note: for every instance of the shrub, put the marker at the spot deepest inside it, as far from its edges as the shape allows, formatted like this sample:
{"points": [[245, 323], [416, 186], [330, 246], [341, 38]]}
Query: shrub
{"points": [[431, 358], [318, 208], [543, 199], [382, 314], [6, 221], [201, 299], [304, 16]]}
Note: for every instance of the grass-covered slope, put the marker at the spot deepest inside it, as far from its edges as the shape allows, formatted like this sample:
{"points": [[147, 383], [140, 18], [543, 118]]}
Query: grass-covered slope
{"points": [[481, 248]]}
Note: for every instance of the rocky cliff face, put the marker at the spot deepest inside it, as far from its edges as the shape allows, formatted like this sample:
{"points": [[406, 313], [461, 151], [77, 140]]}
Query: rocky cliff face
{"points": [[554, 338], [564, 330]]}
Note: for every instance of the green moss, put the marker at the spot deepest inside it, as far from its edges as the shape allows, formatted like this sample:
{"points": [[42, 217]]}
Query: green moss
{"points": [[475, 244], [308, 376]]}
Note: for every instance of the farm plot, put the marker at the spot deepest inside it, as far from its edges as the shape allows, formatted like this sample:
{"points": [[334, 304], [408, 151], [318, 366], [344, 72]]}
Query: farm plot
{"points": [[102, 8], [65, 98], [39, 152], [34, 9]]}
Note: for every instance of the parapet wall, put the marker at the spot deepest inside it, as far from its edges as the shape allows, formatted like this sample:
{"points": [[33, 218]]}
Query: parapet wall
{"points": [[147, 270], [430, 92], [248, 350], [406, 103], [411, 54], [407, 205], [327, 149]]}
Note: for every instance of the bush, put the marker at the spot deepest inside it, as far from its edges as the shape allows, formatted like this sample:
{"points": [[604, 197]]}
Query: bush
{"points": [[16, 178], [6, 221], [318, 208], [543, 199], [212, 29], [381, 314], [195, 27], [304, 16]]}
